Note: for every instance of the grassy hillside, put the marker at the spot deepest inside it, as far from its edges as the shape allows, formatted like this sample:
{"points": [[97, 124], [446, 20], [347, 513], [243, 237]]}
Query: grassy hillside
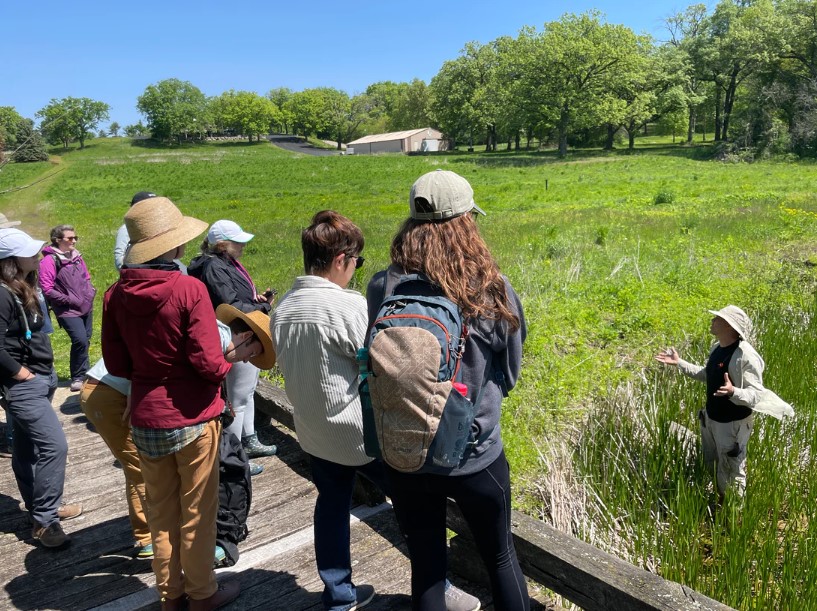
{"points": [[614, 255]]}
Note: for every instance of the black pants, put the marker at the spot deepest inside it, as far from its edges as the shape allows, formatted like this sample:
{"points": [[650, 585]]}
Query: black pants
{"points": [[485, 501]]}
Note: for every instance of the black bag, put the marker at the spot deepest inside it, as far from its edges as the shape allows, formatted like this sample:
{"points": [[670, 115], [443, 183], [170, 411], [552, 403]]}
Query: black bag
{"points": [[234, 496]]}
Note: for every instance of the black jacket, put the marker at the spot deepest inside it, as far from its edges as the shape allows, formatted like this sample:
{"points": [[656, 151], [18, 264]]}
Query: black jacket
{"points": [[15, 351], [225, 283]]}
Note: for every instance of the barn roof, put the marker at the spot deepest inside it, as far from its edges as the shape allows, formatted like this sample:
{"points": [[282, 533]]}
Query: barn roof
{"points": [[388, 136]]}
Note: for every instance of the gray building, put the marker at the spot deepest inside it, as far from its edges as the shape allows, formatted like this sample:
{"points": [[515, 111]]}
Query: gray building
{"points": [[410, 141]]}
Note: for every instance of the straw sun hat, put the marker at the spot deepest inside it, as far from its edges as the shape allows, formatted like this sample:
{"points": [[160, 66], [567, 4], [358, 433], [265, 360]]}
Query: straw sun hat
{"points": [[260, 325], [156, 226]]}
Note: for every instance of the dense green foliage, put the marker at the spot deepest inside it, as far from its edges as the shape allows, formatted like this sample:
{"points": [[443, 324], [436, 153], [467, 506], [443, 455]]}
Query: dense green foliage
{"points": [[70, 119], [614, 256], [31, 146]]}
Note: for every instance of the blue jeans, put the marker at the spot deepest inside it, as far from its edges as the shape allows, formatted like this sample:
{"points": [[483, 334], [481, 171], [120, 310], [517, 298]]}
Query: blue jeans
{"points": [[79, 329], [335, 484], [40, 448]]}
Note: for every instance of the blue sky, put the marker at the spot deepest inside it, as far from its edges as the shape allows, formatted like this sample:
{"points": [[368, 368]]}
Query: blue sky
{"points": [[111, 51]]}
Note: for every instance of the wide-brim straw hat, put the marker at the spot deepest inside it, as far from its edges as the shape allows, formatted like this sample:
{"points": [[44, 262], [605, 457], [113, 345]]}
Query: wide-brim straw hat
{"points": [[260, 325], [737, 319], [156, 226]]}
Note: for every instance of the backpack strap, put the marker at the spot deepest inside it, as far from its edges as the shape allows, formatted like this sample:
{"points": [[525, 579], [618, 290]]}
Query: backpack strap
{"points": [[20, 310]]}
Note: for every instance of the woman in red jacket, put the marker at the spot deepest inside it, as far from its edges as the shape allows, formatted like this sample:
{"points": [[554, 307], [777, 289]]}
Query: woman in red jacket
{"points": [[159, 331]]}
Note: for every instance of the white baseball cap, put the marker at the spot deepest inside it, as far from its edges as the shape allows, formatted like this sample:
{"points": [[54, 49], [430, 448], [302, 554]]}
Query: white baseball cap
{"points": [[16, 243], [227, 230]]}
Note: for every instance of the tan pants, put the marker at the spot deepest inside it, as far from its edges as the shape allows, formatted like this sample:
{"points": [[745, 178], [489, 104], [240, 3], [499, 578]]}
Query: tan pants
{"points": [[104, 407], [182, 491], [725, 443]]}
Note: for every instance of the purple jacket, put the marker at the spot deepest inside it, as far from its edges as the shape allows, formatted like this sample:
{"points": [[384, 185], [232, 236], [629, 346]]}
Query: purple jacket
{"points": [[67, 287]]}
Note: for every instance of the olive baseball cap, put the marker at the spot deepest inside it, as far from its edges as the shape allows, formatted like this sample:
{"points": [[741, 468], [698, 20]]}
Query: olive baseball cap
{"points": [[441, 194]]}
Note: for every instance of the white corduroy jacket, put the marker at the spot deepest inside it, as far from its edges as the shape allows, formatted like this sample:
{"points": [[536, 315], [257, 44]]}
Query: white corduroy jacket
{"points": [[317, 329]]}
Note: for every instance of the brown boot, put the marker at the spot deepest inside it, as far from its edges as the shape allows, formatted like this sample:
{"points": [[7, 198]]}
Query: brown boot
{"points": [[174, 604], [49, 536], [227, 592], [69, 511]]}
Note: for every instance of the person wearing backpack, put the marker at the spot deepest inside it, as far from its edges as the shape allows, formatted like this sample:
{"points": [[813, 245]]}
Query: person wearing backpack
{"points": [[29, 381], [67, 287], [439, 246]]}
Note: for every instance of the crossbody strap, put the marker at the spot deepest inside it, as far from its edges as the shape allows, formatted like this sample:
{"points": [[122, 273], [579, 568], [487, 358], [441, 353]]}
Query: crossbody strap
{"points": [[20, 310]]}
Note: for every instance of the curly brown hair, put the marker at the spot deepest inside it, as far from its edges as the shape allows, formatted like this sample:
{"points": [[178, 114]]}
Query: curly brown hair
{"points": [[24, 287], [454, 256]]}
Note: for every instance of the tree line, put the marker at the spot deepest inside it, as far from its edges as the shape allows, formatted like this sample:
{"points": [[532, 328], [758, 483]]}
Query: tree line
{"points": [[743, 73]]}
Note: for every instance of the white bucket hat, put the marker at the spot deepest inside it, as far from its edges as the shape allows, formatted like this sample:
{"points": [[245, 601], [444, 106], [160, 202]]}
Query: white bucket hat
{"points": [[737, 319]]}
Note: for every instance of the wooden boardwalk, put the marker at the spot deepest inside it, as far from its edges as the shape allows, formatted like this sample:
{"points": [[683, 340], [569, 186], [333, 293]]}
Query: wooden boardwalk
{"points": [[276, 569]]}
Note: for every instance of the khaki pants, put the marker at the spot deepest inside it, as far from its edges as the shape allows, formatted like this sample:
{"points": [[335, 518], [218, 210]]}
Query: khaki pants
{"points": [[104, 407], [725, 443], [182, 492]]}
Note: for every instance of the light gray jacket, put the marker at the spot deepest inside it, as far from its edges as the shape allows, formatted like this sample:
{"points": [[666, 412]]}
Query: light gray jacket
{"points": [[746, 373]]}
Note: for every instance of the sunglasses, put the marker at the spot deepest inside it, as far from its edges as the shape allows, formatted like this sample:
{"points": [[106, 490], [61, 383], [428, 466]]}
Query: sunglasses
{"points": [[73, 238], [359, 261]]}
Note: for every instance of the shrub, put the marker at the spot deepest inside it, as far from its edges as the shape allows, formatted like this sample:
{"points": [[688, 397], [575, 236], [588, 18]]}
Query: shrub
{"points": [[664, 196]]}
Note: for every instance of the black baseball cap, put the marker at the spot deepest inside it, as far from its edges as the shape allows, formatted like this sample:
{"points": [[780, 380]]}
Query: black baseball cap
{"points": [[140, 196]]}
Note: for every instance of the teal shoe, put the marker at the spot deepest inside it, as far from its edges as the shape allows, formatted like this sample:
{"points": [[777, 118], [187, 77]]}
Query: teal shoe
{"points": [[255, 449], [220, 557], [255, 468], [144, 552]]}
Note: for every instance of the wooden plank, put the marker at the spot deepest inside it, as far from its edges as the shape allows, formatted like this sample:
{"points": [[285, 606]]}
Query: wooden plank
{"points": [[585, 575]]}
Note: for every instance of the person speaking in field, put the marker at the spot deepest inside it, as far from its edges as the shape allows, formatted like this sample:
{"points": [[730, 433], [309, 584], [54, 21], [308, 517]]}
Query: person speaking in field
{"points": [[734, 391]]}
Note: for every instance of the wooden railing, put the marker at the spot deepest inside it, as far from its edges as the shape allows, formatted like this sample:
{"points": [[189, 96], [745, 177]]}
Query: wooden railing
{"points": [[585, 575]]}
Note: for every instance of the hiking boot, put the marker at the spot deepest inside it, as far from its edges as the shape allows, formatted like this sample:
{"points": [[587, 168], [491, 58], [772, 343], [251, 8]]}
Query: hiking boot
{"points": [[49, 536], [76, 386], [227, 592], [174, 604], [255, 469], [365, 594], [255, 449], [458, 600], [144, 552], [69, 511]]}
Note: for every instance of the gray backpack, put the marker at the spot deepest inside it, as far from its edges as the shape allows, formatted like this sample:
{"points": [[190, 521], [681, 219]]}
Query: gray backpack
{"points": [[414, 416]]}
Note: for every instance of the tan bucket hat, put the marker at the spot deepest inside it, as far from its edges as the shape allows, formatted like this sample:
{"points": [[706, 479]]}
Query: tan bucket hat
{"points": [[156, 226], [260, 325], [737, 319], [5, 223]]}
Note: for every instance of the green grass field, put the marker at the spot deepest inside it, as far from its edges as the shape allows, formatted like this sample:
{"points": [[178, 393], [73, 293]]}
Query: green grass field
{"points": [[615, 255]]}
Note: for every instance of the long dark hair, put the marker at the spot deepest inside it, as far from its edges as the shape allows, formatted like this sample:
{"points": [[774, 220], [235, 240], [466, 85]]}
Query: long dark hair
{"points": [[454, 256], [24, 287]]}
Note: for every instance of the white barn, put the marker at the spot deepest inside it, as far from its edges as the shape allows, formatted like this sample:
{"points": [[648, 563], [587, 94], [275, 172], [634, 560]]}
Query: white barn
{"points": [[411, 141]]}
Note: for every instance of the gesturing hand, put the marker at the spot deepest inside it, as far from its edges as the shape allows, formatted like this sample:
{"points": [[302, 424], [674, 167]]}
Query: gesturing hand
{"points": [[727, 390], [668, 356]]}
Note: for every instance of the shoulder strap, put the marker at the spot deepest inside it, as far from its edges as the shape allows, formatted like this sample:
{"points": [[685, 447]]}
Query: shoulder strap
{"points": [[20, 310]]}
